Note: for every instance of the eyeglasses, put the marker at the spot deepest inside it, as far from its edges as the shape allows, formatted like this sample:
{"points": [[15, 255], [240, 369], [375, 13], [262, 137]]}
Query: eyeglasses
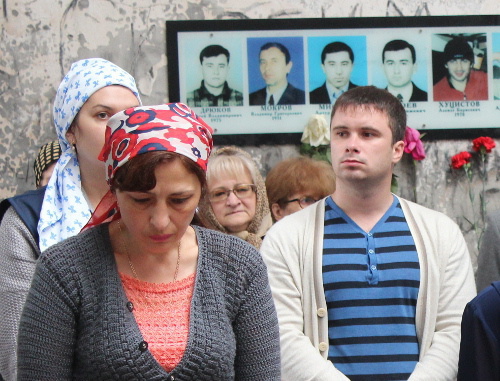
{"points": [[241, 191], [303, 202]]}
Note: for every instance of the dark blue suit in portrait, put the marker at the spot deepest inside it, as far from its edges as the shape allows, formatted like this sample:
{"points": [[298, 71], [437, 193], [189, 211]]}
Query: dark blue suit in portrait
{"points": [[291, 96], [320, 95]]}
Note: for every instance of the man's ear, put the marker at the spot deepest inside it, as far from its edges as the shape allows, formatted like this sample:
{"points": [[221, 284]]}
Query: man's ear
{"points": [[289, 67], [276, 211], [397, 151]]}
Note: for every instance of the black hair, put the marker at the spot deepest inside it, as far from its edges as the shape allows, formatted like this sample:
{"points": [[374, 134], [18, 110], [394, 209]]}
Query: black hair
{"points": [[395, 45], [213, 51], [335, 47], [279, 46]]}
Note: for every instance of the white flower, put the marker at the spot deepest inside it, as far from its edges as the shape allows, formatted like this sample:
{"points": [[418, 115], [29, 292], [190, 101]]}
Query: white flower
{"points": [[316, 132]]}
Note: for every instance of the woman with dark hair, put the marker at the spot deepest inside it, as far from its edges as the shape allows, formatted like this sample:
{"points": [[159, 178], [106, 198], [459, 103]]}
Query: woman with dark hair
{"points": [[141, 294], [294, 184], [45, 162]]}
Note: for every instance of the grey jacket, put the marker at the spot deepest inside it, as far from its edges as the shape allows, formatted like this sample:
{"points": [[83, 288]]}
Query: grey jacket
{"points": [[88, 331]]}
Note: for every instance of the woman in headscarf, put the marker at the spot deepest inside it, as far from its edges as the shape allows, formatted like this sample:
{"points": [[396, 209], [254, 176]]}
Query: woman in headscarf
{"points": [[45, 162], [141, 294], [91, 92], [236, 201]]}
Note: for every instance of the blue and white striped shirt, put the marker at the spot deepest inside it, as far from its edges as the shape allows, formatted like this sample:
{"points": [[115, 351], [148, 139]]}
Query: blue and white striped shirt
{"points": [[371, 283]]}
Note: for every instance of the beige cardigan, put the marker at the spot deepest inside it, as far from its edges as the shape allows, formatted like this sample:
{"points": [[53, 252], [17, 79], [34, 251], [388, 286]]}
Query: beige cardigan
{"points": [[292, 251]]}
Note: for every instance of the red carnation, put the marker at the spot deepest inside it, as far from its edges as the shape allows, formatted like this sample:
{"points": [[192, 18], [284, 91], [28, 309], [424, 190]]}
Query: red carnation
{"points": [[460, 159], [483, 141]]}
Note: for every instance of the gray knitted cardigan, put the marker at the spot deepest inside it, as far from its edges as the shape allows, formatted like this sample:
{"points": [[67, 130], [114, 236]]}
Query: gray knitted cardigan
{"points": [[77, 323]]}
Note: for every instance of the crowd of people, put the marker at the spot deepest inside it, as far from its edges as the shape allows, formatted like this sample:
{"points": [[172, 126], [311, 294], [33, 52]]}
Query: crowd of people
{"points": [[144, 255]]}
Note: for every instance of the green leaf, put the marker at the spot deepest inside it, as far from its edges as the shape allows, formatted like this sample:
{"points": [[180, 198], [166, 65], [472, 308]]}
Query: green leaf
{"points": [[394, 184]]}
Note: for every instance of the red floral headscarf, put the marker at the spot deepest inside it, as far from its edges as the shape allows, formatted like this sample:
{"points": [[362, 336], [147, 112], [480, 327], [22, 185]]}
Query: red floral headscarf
{"points": [[171, 127]]}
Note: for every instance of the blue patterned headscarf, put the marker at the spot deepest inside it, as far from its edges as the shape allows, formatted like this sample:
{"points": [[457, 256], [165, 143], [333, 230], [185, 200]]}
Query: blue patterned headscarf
{"points": [[65, 209]]}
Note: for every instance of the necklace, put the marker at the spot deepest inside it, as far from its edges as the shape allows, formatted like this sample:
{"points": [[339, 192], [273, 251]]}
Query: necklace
{"points": [[131, 265]]}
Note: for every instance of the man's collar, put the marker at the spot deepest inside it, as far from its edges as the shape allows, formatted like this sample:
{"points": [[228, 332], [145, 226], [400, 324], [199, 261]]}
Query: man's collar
{"points": [[406, 92], [226, 91], [333, 90], [277, 94]]}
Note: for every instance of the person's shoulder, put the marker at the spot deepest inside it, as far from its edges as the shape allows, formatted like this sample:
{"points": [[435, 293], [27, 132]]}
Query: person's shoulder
{"points": [[442, 84], [30, 198], [427, 215], [258, 97], [479, 74], [236, 97], [27, 206], [298, 221], [236, 92], [418, 94], [488, 300], [319, 90], [295, 90], [223, 244], [496, 286], [259, 92], [94, 242], [292, 95], [319, 95]]}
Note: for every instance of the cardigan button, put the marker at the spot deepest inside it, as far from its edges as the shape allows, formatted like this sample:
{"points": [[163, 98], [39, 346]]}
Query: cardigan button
{"points": [[323, 346], [130, 306], [143, 346], [321, 312]]}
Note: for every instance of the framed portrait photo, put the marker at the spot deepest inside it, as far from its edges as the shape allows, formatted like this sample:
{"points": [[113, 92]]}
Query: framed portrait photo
{"points": [[260, 81]]}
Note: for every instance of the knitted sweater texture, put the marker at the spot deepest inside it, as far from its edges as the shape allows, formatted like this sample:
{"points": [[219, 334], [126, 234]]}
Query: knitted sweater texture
{"points": [[78, 325], [18, 255]]}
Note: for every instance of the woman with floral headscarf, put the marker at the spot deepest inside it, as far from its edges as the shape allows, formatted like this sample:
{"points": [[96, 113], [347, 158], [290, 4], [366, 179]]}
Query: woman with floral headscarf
{"points": [[236, 202], [141, 294], [91, 92]]}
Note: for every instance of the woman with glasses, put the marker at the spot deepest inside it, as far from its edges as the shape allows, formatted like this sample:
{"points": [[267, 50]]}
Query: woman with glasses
{"points": [[236, 201], [294, 184]]}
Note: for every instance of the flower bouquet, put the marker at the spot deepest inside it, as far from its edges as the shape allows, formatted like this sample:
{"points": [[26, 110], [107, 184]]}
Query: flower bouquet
{"points": [[316, 139], [481, 147]]}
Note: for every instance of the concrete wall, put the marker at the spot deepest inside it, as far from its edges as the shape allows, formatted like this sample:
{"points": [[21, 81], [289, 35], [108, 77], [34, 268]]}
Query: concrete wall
{"points": [[40, 39]]}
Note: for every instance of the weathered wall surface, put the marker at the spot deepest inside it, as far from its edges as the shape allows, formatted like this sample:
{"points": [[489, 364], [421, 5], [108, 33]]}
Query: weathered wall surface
{"points": [[40, 39]]}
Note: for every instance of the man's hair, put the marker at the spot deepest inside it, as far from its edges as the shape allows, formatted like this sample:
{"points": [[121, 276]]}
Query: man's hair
{"points": [[213, 51], [336, 47], [298, 175], [378, 99], [458, 47], [279, 46], [395, 45]]}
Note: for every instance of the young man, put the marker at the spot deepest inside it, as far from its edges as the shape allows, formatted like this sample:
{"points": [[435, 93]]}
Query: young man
{"points": [[214, 90], [275, 63], [462, 82], [399, 61], [337, 62], [368, 285]]}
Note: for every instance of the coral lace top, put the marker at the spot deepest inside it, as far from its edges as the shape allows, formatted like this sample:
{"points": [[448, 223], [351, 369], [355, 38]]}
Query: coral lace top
{"points": [[162, 313]]}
